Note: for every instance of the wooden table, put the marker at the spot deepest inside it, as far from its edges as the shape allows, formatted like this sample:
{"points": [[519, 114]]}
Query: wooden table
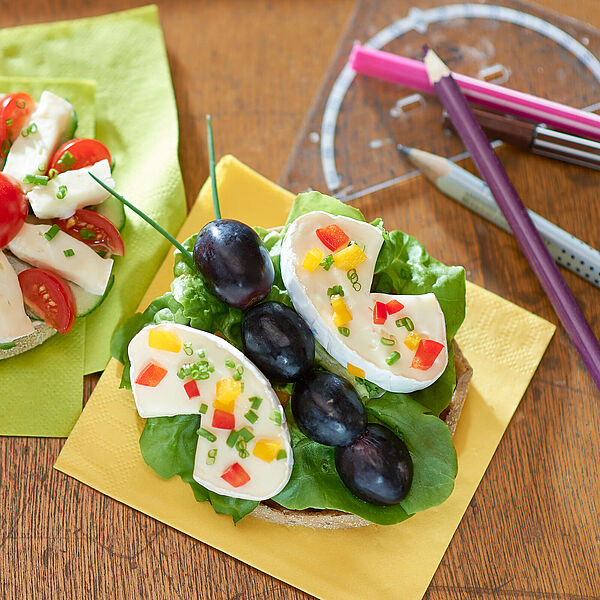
{"points": [[532, 529]]}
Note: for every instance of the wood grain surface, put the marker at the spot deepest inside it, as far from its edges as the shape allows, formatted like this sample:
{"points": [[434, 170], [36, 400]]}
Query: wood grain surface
{"points": [[532, 529]]}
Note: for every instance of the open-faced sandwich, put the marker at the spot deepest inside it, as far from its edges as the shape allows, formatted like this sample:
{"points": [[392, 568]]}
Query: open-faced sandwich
{"points": [[58, 227], [299, 375]]}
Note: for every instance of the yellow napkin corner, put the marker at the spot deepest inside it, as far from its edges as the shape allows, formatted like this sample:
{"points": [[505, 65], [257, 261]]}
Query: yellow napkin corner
{"points": [[372, 562]]}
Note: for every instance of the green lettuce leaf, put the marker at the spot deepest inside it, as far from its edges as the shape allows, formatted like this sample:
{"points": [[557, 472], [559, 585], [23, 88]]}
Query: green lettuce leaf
{"points": [[310, 201], [168, 445], [315, 482]]}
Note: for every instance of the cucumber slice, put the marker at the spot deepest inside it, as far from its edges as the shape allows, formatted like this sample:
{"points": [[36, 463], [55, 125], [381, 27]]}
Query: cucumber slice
{"points": [[71, 127], [85, 302], [113, 210]]}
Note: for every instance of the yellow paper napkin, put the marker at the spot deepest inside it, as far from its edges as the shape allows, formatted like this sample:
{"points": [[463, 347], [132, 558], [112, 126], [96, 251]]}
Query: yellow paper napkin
{"points": [[373, 562], [136, 118], [33, 400]]}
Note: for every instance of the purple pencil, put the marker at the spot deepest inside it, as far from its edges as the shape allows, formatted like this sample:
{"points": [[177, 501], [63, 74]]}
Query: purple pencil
{"points": [[529, 240]]}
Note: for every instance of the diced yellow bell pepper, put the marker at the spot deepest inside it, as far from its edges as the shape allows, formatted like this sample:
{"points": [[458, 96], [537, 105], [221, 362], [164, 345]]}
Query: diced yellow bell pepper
{"points": [[266, 449], [356, 371], [312, 259], [412, 341], [227, 391], [341, 314], [349, 258], [164, 340]]}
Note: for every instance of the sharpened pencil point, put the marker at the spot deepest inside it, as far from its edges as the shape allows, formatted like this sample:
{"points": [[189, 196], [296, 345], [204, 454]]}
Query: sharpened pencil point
{"points": [[436, 68], [404, 149]]}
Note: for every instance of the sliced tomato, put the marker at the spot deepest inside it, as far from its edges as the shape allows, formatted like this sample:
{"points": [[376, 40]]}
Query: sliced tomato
{"points": [[94, 230], [13, 209], [15, 111], [49, 297], [82, 152]]}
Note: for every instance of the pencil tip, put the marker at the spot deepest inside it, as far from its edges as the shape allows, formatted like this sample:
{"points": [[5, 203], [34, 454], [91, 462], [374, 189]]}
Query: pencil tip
{"points": [[425, 48], [436, 68], [404, 149]]}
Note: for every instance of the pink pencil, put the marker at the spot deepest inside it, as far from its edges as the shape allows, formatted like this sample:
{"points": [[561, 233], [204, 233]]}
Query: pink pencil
{"points": [[412, 73]]}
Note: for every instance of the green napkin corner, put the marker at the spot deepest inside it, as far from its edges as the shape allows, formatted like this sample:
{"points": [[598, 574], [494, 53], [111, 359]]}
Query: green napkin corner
{"points": [[136, 118]]}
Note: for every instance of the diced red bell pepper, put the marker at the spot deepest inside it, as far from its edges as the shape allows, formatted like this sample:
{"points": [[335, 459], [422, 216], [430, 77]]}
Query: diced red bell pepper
{"points": [[426, 354], [379, 313], [151, 375], [191, 388], [333, 237], [235, 476], [393, 306], [223, 420]]}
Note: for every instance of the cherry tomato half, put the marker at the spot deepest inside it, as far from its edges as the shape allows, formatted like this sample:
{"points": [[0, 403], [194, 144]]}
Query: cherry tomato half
{"points": [[94, 230], [15, 110], [49, 297], [85, 151], [13, 209]]}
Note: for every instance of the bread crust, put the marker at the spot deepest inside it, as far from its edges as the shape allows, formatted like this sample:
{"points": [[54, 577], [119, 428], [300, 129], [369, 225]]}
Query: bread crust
{"points": [[335, 519], [42, 332]]}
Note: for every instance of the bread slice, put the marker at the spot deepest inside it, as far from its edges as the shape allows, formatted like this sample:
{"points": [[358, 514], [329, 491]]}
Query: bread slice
{"points": [[335, 519], [41, 333]]}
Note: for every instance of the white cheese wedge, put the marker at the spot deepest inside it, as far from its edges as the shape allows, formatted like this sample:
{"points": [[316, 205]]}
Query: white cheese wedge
{"points": [[52, 116], [362, 348], [169, 347], [14, 323], [79, 190], [84, 267]]}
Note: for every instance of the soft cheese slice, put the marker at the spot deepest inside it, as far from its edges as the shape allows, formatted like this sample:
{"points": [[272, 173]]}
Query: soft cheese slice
{"points": [[157, 353], [81, 190], [362, 348], [85, 267], [14, 323], [29, 154]]}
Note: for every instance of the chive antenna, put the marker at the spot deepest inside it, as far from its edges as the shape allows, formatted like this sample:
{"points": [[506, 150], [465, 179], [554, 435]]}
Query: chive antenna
{"points": [[186, 254], [211, 161]]}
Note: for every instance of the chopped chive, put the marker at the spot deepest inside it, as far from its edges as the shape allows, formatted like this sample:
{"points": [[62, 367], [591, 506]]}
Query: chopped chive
{"points": [[240, 369], [207, 434], [66, 161], [69, 252], [211, 369], [52, 173], [241, 386], [344, 331], [275, 416], [203, 408], [327, 262], [33, 128], [232, 438], [245, 434], [335, 290], [237, 376], [229, 363], [200, 353], [51, 233], [255, 402], [5, 147], [42, 167], [240, 446], [87, 234], [187, 348], [36, 179], [20, 103], [392, 358], [7, 345], [251, 416], [281, 455], [212, 455], [62, 192], [9, 122], [405, 322], [387, 341], [243, 453]]}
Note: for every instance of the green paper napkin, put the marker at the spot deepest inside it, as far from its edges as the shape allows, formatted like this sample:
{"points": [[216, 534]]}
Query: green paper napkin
{"points": [[33, 399], [136, 118]]}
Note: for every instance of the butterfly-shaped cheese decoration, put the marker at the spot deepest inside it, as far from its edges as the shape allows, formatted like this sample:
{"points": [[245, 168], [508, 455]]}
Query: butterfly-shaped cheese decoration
{"points": [[327, 266], [243, 448]]}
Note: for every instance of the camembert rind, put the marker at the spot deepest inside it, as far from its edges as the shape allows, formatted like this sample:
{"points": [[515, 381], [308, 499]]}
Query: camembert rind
{"points": [[361, 347], [169, 398]]}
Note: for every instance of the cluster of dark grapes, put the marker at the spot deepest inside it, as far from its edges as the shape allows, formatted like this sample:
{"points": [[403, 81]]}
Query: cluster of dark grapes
{"points": [[371, 460]]}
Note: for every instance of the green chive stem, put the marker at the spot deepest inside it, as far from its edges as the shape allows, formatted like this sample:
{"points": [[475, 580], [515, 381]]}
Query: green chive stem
{"points": [[187, 255], [213, 175]]}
